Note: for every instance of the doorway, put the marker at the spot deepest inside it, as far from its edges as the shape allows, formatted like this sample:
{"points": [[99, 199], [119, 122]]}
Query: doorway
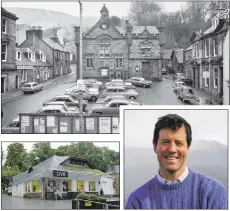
{"points": [[17, 82], [2, 85], [146, 70]]}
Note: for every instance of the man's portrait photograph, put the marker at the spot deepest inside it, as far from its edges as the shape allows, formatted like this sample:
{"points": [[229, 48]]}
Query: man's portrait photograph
{"points": [[176, 159]]}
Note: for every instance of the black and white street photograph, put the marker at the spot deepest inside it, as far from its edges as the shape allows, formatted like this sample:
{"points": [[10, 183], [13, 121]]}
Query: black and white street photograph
{"points": [[67, 67], [60, 175]]}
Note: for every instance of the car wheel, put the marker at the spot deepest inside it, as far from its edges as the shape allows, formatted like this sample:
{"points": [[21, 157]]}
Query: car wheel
{"points": [[132, 98], [144, 86], [34, 90], [93, 98]]}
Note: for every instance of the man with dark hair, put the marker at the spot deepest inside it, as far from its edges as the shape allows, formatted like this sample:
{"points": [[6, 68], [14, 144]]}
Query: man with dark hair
{"points": [[175, 186]]}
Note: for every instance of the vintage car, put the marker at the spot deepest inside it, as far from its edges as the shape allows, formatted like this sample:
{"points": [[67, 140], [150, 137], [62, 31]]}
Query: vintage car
{"points": [[139, 81], [111, 107], [119, 82], [177, 85], [12, 127], [110, 98], [119, 91], [31, 87], [186, 81], [54, 109], [70, 101], [185, 93], [200, 101], [68, 108], [88, 94]]}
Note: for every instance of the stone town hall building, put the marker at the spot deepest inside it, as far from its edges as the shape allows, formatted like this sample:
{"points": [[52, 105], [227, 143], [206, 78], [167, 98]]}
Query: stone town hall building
{"points": [[113, 52]]}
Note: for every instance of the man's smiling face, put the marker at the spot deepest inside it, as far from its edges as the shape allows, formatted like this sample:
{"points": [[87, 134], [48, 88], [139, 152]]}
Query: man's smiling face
{"points": [[172, 150]]}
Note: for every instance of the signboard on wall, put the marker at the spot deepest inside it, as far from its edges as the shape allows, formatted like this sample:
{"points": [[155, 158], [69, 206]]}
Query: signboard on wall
{"points": [[57, 173]]}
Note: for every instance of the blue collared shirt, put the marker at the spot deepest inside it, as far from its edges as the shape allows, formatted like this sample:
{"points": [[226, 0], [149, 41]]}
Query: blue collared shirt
{"points": [[180, 179]]}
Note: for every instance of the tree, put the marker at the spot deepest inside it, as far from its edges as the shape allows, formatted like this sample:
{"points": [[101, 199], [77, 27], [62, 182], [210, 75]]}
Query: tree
{"points": [[145, 13], [114, 20], [16, 155], [42, 151]]}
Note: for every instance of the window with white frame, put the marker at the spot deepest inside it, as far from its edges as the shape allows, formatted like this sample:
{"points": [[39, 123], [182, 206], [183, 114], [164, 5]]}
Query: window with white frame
{"points": [[18, 55], [42, 56], [215, 78], [146, 49], [4, 53], [89, 62], [205, 48], [215, 46], [104, 49], [61, 56], [23, 75], [119, 62], [196, 50], [4, 26]]}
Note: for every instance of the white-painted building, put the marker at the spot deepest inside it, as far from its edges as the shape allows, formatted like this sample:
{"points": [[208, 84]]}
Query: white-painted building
{"points": [[60, 175]]}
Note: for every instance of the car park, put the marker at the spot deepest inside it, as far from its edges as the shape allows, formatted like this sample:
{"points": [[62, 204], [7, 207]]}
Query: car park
{"points": [[119, 91], [111, 107], [200, 101], [12, 127], [31, 87], [88, 94], [111, 98], [139, 81], [119, 82], [185, 93], [70, 101]]}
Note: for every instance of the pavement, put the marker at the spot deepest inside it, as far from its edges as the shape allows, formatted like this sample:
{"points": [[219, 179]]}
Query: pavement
{"points": [[199, 93], [8, 96]]}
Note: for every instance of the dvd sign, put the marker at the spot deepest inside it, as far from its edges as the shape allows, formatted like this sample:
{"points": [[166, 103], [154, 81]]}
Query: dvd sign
{"points": [[60, 173]]}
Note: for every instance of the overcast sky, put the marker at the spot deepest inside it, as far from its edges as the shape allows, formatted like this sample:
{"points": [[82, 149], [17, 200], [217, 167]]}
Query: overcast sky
{"points": [[206, 125], [28, 145], [92, 9]]}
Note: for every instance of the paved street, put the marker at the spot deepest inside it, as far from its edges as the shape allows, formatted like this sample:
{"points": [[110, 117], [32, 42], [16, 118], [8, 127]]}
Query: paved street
{"points": [[17, 203], [160, 93]]}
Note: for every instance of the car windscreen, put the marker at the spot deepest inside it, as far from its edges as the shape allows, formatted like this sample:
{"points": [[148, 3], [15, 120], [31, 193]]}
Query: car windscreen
{"points": [[26, 85]]}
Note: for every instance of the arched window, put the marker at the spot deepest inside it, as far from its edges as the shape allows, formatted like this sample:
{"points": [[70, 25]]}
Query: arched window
{"points": [[104, 47]]}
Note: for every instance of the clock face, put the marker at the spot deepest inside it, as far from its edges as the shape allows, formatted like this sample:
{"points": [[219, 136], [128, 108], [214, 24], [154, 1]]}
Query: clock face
{"points": [[104, 26]]}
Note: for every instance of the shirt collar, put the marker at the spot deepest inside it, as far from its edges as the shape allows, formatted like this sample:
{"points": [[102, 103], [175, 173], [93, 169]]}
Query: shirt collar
{"points": [[180, 179]]}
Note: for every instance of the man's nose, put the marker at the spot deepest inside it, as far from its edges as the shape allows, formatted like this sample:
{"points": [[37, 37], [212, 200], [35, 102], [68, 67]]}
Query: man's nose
{"points": [[172, 147]]}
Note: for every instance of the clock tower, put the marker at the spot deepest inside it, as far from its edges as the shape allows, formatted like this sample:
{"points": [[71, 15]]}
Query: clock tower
{"points": [[104, 13]]}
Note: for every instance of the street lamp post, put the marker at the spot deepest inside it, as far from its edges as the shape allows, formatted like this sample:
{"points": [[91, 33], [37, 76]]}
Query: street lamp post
{"points": [[80, 74]]}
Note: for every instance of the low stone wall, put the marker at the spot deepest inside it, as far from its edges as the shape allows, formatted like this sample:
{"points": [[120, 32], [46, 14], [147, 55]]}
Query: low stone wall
{"points": [[33, 195]]}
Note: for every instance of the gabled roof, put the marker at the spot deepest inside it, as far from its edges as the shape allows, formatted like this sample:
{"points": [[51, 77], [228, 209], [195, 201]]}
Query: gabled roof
{"points": [[115, 169], [221, 25], [167, 54], [53, 44], [52, 32], [179, 54], [188, 48], [8, 14], [27, 62], [140, 29], [50, 163]]}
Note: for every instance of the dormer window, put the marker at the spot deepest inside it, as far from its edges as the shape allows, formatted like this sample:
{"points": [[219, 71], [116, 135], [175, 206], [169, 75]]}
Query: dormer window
{"points": [[42, 56], [19, 55], [4, 26], [31, 55]]}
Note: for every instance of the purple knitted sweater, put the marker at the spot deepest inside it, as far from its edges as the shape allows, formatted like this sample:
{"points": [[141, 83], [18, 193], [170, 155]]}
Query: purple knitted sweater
{"points": [[195, 192]]}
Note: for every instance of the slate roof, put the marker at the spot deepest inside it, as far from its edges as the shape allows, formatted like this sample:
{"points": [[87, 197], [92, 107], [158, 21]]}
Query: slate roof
{"points": [[167, 54], [52, 32], [179, 55], [189, 48], [9, 14], [209, 30], [38, 62], [115, 169], [5, 38], [53, 44], [138, 29], [50, 163]]}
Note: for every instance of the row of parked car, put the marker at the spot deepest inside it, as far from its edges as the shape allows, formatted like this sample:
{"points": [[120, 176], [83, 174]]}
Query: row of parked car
{"points": [[107, 98], [187, 94]]}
